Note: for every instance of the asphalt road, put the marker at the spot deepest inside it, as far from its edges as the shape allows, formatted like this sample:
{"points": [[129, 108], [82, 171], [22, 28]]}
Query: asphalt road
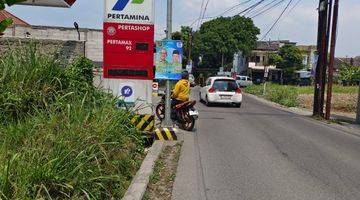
{"points": [[260, 152]]}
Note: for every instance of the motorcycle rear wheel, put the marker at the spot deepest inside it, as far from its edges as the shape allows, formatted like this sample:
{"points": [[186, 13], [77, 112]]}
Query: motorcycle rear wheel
{"points": [[160, 111], [189, 124]]}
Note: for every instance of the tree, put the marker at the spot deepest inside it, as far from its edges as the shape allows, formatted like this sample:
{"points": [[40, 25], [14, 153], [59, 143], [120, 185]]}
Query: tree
{"points": [[176, 35], [184, 35], [289, 59], [218, 40], [275, 59], [6, 22], [349, 74]]}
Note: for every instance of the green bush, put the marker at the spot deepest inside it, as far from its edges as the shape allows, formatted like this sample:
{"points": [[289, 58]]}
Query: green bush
{"points": [[61, 138], [287, 95], [254, 89], [284, 95], [349, 75], [337, 89]]}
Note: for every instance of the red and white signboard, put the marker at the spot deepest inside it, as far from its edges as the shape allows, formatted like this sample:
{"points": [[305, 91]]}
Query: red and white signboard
{"points": [[128, 51], [52, 3]]}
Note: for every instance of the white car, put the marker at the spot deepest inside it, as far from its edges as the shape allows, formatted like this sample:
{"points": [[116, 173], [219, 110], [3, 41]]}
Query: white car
{"points": [[221, 90], [243, 81]]}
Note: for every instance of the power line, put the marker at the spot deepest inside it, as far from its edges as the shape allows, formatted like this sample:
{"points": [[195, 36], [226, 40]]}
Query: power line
{"points": [[203, 14], [201, 10], [205, 10], [296, 4], [277, 20], [264, 9], [218, 15], [251, 7], [233, 7], [228, 10]]}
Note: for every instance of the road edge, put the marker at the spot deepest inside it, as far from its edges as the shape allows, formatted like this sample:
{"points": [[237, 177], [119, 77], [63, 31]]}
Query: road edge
{"points": [[139, 184], [308, 115], [189, 181]]}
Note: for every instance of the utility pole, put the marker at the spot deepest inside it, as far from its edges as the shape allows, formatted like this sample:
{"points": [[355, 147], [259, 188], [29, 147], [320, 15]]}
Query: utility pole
{"points": [[332, 57], [222, 60], [190, 46], [326, 52], [318, 109], [168, 89], [266, 65], [358, 107]]}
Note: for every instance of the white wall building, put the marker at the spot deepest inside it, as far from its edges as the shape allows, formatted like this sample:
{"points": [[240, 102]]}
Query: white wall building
{"points": [[93, 38]]}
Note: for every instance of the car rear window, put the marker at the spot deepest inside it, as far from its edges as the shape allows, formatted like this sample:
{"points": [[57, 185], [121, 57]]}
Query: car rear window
{"points": [[225, 85]]}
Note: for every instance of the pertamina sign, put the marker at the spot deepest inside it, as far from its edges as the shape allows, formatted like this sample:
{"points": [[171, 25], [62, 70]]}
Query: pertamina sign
{"points": [[129, 39], [128, 67], [129, 11]]}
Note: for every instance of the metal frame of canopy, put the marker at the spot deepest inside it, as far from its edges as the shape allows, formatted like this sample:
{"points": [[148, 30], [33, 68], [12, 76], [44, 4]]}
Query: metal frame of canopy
{"points": [[50, 3]]}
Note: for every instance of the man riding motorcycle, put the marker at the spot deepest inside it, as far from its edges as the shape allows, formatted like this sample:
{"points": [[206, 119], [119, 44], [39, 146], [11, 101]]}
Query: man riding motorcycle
{"points": [[181, 92]]}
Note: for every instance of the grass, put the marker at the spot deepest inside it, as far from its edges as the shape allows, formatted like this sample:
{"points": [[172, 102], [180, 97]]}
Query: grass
{"points": [[284, 95], [162, 179], [61, 138], [155, 176], [337, 89], [288, 95]]}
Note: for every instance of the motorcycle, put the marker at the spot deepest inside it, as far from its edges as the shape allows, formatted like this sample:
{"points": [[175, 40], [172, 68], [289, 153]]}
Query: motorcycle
{"points": [[186, 114]]}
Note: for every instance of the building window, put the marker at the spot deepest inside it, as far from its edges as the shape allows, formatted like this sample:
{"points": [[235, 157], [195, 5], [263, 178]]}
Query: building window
{"points": [[305, 60], [257, 60]]}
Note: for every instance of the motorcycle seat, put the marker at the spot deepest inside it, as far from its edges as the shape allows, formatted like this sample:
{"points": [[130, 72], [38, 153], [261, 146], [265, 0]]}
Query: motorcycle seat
{"points": [[185, 104]]}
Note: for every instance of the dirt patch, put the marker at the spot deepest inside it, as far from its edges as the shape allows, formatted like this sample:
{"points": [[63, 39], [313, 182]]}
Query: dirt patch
{"points": [[162, 180], [346, 103]]}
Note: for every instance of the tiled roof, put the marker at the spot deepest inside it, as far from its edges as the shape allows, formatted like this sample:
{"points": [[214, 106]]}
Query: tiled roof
{"points": [[17, 21], [272, 45], [346, 61]]}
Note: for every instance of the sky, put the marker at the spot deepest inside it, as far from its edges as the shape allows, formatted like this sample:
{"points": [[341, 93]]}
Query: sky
{"points": [[299, 24]]}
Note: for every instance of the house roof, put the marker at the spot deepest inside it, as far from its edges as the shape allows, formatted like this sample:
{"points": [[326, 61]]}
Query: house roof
{"points": [[307, 47], [338, 62], [17, 21], [272, 45]]}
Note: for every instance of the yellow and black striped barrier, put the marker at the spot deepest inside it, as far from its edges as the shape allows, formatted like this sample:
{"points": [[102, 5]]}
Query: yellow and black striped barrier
{"points": [[144, 123], [165, 134]]}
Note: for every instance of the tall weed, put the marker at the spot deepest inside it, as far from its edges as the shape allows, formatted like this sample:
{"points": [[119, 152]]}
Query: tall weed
{"points": [[60, 137], [282, 94]]}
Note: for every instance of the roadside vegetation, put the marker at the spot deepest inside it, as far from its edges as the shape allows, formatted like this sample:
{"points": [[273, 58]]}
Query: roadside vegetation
{"points": [[281, 94], [344, 97], [216, 41], [289, 59], [60, 137], [162, 179]]}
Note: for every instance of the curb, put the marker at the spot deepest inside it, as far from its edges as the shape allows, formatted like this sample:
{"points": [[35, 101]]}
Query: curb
{"points": [[139, 184], [166, 134], [298, 111]]}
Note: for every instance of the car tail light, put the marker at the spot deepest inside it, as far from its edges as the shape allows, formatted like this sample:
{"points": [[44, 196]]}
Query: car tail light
{"points": [[211, 90], [238, 91]]}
